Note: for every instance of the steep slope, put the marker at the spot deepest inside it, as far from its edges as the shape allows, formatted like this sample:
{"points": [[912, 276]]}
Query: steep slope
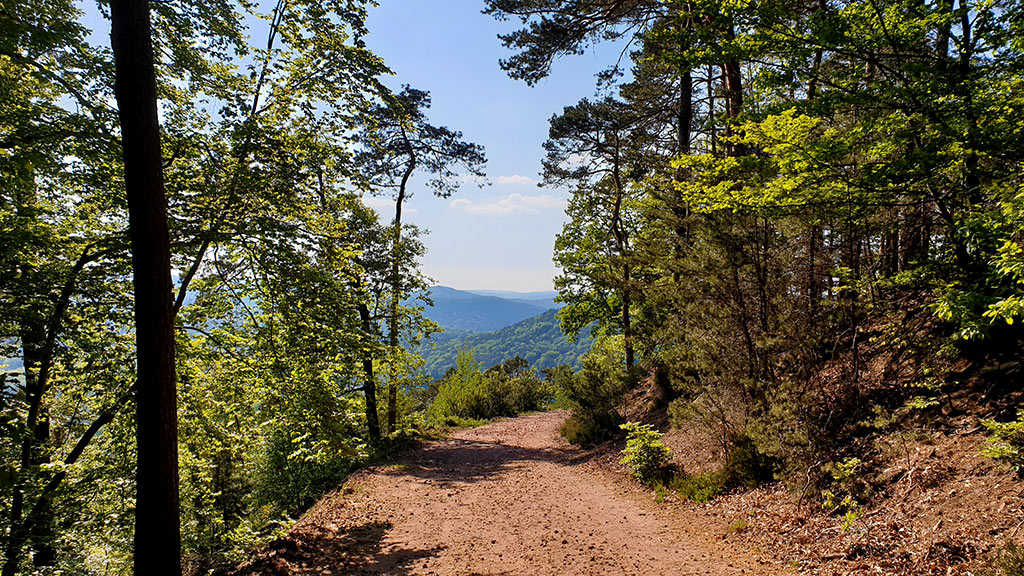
{"points": [[538, 340]]}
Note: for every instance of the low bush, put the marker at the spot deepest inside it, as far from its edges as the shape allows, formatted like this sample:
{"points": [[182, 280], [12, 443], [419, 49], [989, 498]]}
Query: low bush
{"points": [[645, 455], [592, 394], [746, 466], [699, 488], [471, 394], [1006, 441]]}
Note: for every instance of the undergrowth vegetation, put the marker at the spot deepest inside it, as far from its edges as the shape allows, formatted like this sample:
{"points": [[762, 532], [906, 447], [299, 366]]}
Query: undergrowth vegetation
{"points": [[1010, 561], [1007, 441], [593, 394], [645, 455], [468, 393]]}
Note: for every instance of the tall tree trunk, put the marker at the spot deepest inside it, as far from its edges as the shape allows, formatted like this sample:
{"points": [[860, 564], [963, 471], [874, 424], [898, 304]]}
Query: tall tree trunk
{"points": [[36, 450], [684, 120], [369, 380], [684, 114], [814, 287], [942, 33], [733, 88], [627, 325], [733, 78], [622, 246], [396, 283], [711, 110], [157, 533], [812, 86]]}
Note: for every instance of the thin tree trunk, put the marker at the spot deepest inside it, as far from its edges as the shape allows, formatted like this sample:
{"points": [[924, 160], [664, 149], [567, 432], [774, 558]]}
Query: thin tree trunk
{"points": [[396, 284], [942, 33], [369, 380], [684, 120], [32, 333], [627, 326], [813, 284], [733, 78], [157, 532], [621, 244], [684, 114], [711, 109]]}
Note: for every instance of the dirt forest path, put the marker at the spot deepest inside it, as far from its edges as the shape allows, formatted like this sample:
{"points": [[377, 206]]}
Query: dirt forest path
{"points": [[507, 498]]}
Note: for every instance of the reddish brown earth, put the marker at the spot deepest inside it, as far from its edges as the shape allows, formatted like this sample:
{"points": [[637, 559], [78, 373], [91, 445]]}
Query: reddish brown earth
{"points": [[508, 498]]}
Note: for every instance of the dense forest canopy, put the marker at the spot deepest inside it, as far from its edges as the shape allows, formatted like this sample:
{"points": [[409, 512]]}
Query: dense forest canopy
{"points": [[795, 216], [289, 295]]}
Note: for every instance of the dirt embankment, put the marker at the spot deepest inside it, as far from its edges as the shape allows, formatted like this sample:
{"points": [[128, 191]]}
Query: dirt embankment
{"points": [[508, 498]]}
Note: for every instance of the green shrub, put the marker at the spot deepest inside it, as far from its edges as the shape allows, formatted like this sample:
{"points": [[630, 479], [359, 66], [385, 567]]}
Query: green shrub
{"points": [[699, 488], [470, 394], [645, 455], [296, 470], [1006, 441], [746, 465], [588, 429], [461, 392], [592, 394]]}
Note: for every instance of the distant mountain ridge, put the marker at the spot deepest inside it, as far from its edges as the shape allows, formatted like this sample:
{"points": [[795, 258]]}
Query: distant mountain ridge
{"points": [[465, 310], [510, 295], [499, 325]]}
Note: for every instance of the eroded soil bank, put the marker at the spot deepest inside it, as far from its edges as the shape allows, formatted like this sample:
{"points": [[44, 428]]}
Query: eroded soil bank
{"points": [[508, 498]]}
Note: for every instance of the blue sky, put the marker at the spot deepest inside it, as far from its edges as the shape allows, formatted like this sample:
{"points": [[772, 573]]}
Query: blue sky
{"points": [[501, 236]]}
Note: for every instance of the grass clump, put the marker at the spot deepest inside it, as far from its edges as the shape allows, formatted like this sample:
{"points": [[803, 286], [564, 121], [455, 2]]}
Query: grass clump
{"points": [[737, 527]]}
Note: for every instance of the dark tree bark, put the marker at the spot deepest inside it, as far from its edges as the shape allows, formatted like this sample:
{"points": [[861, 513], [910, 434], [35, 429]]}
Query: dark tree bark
{"points": [[622, 246], [732, 76], [157, 532], [684, 113], [369, 380], [396, 278], [34, 449]]}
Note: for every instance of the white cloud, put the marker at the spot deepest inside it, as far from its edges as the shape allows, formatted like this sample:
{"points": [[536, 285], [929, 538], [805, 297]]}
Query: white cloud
{"points": [[514, 180], [477, 181], [512, 204]]}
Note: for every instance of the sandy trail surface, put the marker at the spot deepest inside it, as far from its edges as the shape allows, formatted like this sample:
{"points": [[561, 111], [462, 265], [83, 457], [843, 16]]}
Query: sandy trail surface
{"points": [[507, 498]]}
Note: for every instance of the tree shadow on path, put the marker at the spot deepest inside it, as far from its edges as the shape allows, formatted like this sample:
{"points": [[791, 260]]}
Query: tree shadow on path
{"points": [[459, 462], [325, 552]]}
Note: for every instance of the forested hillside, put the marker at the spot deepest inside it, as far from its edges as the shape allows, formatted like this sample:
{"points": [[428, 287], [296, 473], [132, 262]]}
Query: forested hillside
{"points": [[538, 340]]}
